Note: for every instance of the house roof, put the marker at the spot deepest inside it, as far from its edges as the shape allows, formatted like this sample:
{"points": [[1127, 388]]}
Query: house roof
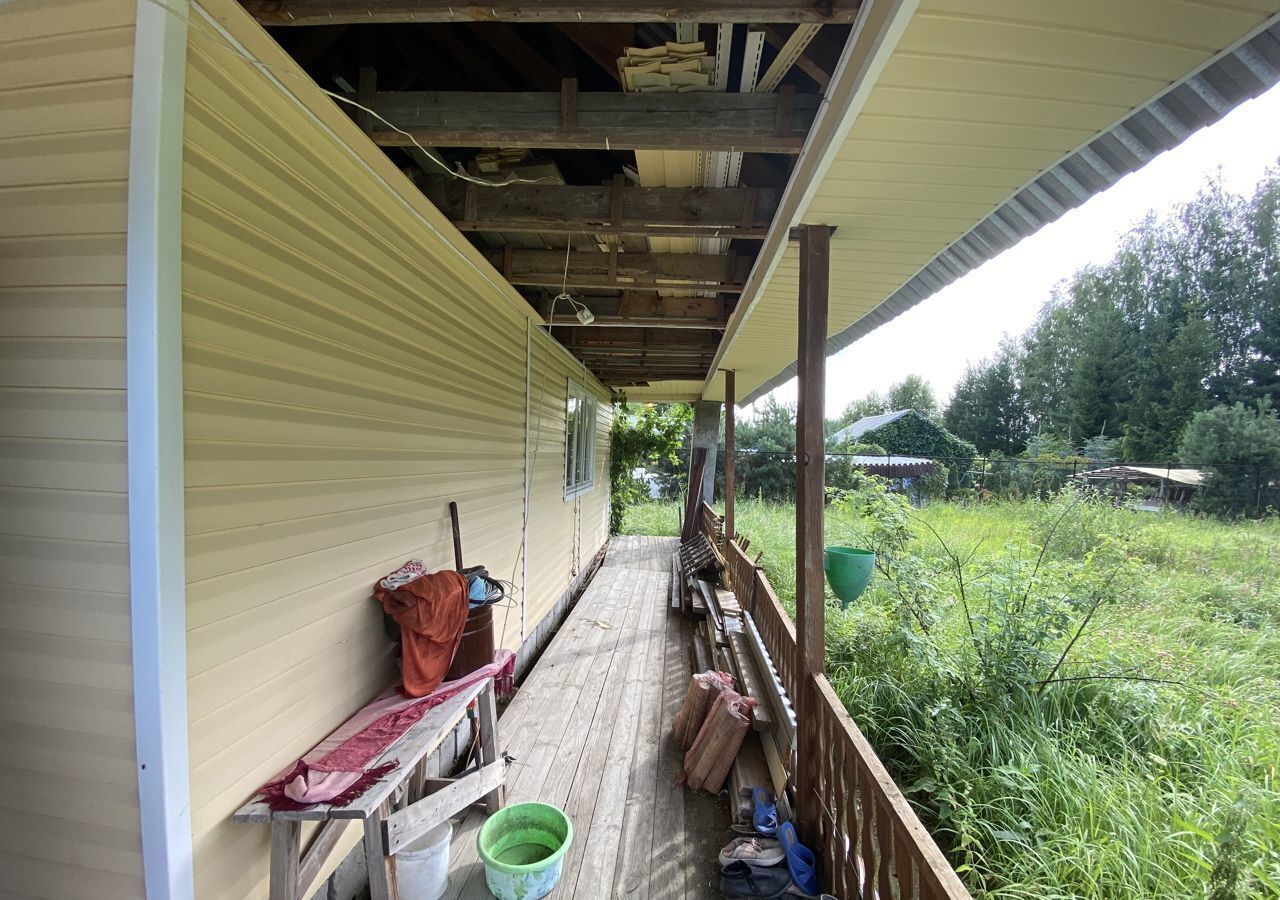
{"points": [[864, 425], [893, 466], [966, 126], [1190, 477]]}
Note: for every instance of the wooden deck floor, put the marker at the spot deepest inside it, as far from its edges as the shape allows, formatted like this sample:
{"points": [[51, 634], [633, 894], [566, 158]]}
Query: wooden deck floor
{"points": [[590, 733]]}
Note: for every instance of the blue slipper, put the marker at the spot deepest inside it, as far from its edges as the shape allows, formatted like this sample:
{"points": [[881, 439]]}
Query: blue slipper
{"points": [[800, 860], [765, 815]]}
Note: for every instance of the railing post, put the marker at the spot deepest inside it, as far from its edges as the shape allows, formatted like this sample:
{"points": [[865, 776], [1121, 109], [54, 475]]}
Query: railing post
{"points": [[815, 242], [729, 401]]}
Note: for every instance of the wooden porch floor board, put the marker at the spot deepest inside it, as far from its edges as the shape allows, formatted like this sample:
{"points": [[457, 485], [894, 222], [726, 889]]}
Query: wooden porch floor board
{"points": [[589, 731]]}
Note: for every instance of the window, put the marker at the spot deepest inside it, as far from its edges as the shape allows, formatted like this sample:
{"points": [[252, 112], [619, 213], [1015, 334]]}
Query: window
{"points": [[579, 440]]}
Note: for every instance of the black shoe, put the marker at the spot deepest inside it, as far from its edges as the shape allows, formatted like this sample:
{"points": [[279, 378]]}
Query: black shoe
{"points": [[743, 880]]}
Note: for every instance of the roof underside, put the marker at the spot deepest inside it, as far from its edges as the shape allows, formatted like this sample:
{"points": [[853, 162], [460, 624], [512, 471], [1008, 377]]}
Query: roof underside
{"points": [[988, 121], [948, 130]]}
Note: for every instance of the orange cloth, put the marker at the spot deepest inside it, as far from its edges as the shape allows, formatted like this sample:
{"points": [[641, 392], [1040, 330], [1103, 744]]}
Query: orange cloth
{"points": [[431, 612]]}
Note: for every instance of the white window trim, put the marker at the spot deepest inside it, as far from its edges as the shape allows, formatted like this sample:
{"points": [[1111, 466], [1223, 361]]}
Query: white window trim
{"points": [[586, 401]]}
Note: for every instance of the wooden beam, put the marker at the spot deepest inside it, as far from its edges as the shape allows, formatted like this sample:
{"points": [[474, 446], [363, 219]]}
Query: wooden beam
{"points": [[353, 12], [597, 120], [815, 243], [800, 60], [592, 269], [571, 209], [689, 323]]}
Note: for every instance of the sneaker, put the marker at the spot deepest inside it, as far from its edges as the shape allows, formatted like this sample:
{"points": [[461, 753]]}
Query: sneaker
{"points": [[759, 851]]}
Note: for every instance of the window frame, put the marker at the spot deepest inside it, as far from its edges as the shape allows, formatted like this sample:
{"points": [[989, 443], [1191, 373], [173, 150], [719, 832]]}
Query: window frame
{"points": [[580, 440]]}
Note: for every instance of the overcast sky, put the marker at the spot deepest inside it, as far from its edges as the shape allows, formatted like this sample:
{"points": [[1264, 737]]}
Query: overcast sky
{"points": [[965, 321]]}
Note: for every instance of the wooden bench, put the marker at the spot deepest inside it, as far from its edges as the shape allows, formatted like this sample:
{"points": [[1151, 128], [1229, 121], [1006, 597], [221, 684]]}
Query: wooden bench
{"points": [[391, 821]]}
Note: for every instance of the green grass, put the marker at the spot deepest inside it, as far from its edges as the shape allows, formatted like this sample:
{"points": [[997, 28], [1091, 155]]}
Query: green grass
{"points": [[1099, 788]]}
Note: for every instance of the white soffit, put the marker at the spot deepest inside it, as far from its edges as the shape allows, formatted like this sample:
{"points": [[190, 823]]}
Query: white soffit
{"points": [[988, 121]]}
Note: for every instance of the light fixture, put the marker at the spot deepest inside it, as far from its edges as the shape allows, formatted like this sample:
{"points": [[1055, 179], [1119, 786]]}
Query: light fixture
{"points": [[585, 316]]}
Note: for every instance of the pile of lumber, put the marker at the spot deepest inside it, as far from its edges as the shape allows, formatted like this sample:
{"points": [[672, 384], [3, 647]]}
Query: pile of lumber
{"points": [[727, 640], [672, 67]]}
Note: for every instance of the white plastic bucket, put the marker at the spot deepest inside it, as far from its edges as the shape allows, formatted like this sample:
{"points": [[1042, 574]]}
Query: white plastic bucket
{"points": [[422, 868]]}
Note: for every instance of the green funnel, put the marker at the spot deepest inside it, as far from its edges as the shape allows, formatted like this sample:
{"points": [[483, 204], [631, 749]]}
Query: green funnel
{"points": [[848, 571]]}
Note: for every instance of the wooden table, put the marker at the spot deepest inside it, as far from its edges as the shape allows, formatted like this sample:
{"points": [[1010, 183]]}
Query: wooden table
{"points": [[391, 821]]}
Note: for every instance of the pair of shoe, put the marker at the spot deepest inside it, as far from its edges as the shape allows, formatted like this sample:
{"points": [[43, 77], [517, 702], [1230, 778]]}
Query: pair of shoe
{"points": [[752, 866]]}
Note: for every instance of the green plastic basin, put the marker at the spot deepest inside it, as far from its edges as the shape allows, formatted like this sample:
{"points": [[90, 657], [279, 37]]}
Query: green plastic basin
{"points": [[523, 848], [848, 571]]}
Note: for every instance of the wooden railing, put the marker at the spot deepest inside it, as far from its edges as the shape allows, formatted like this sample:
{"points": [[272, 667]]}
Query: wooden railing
{"points": [[870, 842]]}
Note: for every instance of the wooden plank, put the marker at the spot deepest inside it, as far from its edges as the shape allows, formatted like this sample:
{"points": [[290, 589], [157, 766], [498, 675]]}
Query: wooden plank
{"points": [[407, 825], [670, 852], [631, 880], [568, 209], [775, 693], [543, 710], [675, 594], [600, 846], [488, 724], [382, 868], [324, 842], [355, 12], [285, 846], [692, 323], [750, 681]]}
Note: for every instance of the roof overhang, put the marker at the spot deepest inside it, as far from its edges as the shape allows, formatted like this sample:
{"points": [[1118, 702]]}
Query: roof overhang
{"points": [[953, 130]]}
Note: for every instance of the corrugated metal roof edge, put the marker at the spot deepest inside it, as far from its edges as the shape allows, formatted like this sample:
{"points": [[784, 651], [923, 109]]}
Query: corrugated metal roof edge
{"points": [[1240, 73]]}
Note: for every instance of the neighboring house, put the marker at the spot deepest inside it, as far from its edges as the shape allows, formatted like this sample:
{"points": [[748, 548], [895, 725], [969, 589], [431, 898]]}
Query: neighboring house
{"points": [[856, 433], [245, 363], [905, 432]]}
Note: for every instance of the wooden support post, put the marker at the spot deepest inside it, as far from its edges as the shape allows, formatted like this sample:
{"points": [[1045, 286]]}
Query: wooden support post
{"points": [[382, 868], [286, 847], [815, 242], [487, 722], [729, 401]]}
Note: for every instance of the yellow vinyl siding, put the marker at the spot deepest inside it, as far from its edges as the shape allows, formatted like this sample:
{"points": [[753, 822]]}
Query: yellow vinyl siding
{"points": [[69, 824], [350, 366]]}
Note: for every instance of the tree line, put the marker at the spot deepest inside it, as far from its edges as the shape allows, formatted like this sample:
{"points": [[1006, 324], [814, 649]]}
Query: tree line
{"points": [[1184, 317]]}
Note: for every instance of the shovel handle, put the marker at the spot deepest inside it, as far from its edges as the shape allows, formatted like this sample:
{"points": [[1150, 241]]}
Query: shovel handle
{"points": [[457, 536]]}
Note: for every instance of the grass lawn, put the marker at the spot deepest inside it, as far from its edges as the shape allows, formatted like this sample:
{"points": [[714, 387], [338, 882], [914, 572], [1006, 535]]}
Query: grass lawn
{"points": [[1146, 764]]}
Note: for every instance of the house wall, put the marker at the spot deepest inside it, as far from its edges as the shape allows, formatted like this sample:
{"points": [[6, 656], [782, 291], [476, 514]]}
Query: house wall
{"points": [[69, 825], [350, 366]]}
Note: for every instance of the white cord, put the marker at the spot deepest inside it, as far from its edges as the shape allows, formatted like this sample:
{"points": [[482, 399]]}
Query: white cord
{"points": [[458, 173]]}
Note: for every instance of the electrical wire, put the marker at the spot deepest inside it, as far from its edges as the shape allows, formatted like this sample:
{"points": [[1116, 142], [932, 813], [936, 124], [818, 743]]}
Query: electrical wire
{"points": [[459, 173]]}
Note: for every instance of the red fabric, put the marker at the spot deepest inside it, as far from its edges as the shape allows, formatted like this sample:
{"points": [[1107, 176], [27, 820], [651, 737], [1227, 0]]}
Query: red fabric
{"points": [[432, 612], [334, 771]]}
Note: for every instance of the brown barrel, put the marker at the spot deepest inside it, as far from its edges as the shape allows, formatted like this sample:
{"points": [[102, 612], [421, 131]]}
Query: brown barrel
{"points": [[476, 648]]}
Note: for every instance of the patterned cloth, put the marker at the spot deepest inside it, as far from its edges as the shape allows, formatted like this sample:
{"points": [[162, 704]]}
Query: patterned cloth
{"points": [[337, 770]]}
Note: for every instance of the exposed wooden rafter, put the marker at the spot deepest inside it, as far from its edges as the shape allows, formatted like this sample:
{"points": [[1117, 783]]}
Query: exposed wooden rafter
{"points": [[621, 271], [760, 123], [685, 322], [350, 12], [616, 209]]}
